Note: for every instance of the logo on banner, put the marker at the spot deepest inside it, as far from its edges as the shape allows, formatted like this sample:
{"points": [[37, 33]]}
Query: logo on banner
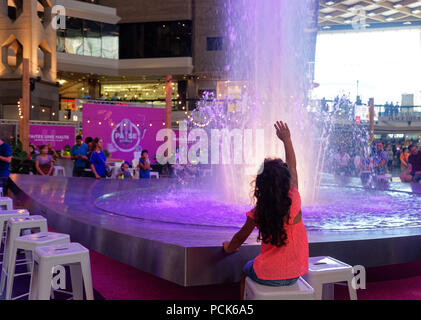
{"points": [[126, 136]]}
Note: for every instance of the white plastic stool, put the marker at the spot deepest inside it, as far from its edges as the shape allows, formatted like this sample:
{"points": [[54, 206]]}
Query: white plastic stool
{"points": [[59, 171], [5, 215], [155, 174], [15, 228], [46, 258], [299, 291], [30, 243], [327, 270], [6, 203]]}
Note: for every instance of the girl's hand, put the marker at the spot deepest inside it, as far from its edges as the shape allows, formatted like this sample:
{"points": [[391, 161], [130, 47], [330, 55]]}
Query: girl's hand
{"points": [[282, 131], [226, 245]]}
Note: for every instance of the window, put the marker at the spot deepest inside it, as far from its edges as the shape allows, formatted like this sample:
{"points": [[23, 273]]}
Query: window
{"points": [[89, 38], [156, 40], [109, 39], [92, 39], [214, 44], [73, 37]]}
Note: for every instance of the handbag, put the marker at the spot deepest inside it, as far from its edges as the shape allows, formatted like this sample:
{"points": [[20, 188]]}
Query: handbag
{"points": [[108, 171]]}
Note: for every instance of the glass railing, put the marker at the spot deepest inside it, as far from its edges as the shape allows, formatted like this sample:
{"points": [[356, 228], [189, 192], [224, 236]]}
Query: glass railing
{"points": [[401, 113]]}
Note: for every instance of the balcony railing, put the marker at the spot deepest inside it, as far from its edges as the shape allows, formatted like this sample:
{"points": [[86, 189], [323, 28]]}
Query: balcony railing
{"points": [[412, 113]]}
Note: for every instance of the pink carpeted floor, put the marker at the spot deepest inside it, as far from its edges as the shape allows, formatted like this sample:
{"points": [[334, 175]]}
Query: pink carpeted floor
{"points": [[117, 281]]}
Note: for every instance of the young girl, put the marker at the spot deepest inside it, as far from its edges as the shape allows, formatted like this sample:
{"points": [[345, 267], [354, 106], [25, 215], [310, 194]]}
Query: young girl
{"points": [[144, 166], [44, 162], [278, 216]]}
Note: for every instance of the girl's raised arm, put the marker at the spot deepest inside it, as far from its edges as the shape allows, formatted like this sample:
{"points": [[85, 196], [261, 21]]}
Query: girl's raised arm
{"points": [[283, 133]]}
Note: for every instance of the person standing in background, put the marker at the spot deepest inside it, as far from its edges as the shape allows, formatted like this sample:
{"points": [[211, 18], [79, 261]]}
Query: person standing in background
{"points": [[79, 154], [98, 160], [5, 161], [144, 166]]}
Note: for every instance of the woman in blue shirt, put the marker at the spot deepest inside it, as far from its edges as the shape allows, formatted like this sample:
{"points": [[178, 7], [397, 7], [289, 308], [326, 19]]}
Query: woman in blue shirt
{"points": [[144, 166], [98, 160]]}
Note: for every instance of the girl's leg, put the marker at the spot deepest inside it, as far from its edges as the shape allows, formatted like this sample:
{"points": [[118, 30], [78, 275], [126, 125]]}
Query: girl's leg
{"points": [[242, 285]]}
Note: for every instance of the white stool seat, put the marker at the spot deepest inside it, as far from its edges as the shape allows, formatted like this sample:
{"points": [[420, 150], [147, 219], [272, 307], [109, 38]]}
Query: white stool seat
{"points": [[6, 203], [16, 226], [5, 215], [30, 243], [59, 171], [155, 174], [327, 270], [46, 258], [299, 291]]}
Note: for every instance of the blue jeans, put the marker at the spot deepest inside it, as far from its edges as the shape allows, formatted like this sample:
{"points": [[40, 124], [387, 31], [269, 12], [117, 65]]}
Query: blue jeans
{"points": [[249, 271], [4, 182]]}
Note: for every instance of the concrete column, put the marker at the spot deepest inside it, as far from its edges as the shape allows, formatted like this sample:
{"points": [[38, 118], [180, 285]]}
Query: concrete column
{"points": [[24, 107]]}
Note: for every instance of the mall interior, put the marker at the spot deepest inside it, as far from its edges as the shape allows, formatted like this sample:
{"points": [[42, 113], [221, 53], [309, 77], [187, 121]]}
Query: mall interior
{"points": [[120, 71]]}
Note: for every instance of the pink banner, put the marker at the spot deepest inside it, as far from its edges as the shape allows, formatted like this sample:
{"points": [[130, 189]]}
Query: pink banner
{"points": [[124, 130], [58, 136]]}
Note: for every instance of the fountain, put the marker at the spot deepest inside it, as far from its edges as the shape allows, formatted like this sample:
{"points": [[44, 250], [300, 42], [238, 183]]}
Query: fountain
{"points": [[270, 47]]}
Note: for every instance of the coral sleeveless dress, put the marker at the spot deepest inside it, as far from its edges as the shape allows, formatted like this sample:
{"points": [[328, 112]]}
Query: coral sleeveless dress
{"points": [[291, 260]]}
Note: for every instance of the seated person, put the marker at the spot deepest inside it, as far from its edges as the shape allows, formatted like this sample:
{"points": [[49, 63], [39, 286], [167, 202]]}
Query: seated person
{"points": [[414, 166], [44, 163], [125, 171], [341, 162], [278, 217], [380, 159]]}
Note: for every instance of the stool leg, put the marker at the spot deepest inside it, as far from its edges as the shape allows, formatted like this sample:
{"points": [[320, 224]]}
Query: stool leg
{"points": [[77, 280], [318, 291], [11, 234], [33, 287], [44, 281], [87, 278], [11, 273], [28, 258], [44, 227], [352, 291]]}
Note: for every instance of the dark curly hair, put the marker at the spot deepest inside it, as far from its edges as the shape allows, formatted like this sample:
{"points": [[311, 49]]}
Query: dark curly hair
{"points": [[271, 193]]}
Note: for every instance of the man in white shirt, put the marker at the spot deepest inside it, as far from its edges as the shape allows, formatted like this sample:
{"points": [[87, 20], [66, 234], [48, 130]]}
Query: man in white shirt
{"points": [[341, 162]]}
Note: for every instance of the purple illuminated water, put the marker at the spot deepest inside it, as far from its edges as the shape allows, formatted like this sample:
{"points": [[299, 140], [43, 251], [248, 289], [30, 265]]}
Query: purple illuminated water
{"points": [[340, 208]]}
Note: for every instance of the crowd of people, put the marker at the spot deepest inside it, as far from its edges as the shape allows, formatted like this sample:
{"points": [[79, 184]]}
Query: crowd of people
{"points": [[378, 161], [90, 161]]}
